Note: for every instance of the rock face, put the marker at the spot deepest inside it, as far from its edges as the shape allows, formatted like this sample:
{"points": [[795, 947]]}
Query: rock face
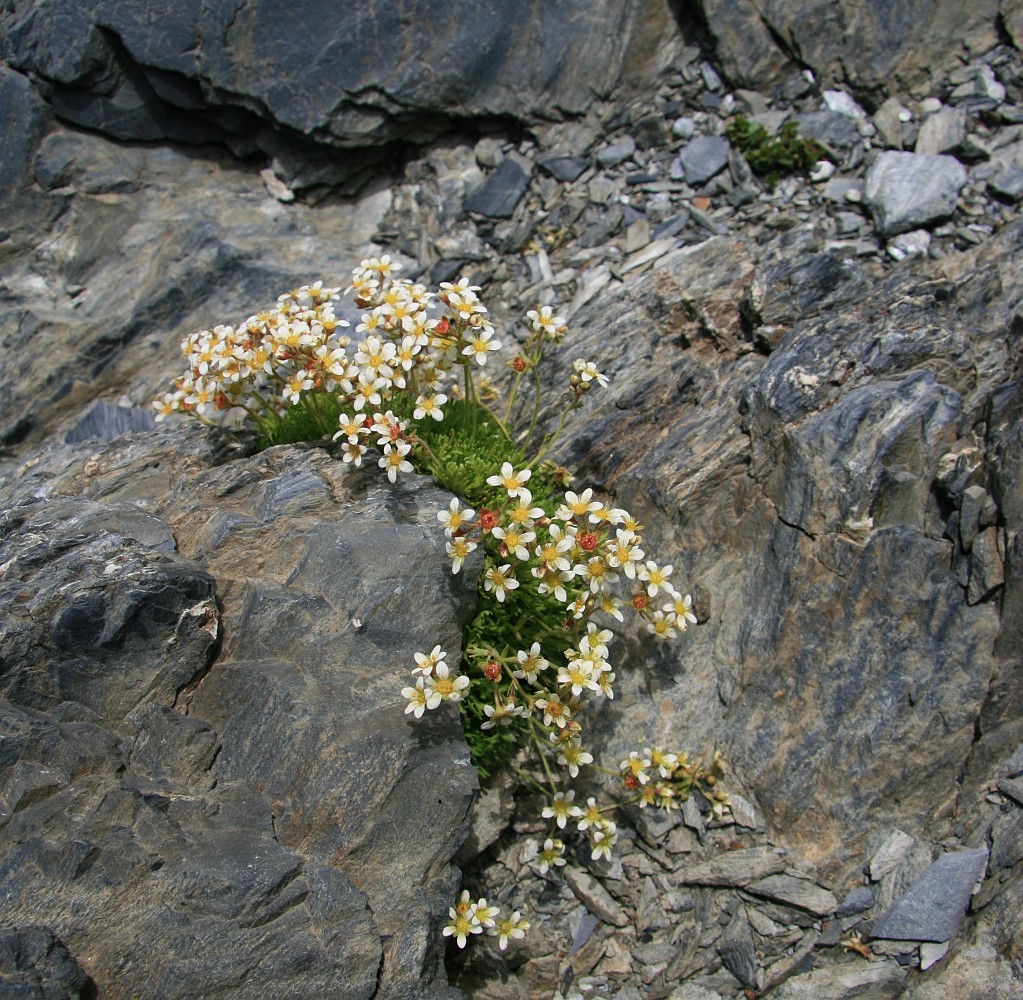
{"points": [[215, 768], [360, 75], [872, 46]]}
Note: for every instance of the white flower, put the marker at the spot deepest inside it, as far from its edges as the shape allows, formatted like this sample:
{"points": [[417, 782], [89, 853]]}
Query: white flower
{"points": [[455, 517], [562, 808], [655, 576], [441, 686], [511, 480], [458, 548], [416, 698], [531, 663], [509, 927], [430, 406], [393, 459], [481, 343], [500, 580], [426, 664], [551, 855], [587, 371]]}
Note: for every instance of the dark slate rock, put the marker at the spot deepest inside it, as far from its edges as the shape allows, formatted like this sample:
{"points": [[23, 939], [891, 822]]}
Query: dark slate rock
{"points": [[1007, 182], [106, 421], [262, 837], [99, 605], [671, 226], [864, 44], [561, 167], [603, 224], [831, 128], [640, 177], [137, 67], [857, 901], [33, 963], [23, 123], [1014, 765], [447, 270], [500, 192], [704, 157], [617, 152], [737, 949], [1007, 840], [86, 162], [906, 191], [935, 904]]}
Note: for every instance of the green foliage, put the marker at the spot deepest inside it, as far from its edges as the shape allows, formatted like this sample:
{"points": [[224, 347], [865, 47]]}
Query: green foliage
{"points": [[464, 449], [314, 418], [460, 453], [524, 617], [773, 157]]}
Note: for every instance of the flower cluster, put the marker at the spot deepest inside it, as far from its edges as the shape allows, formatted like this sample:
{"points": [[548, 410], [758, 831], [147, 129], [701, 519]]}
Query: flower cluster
{"points": [[468, 918], [575, 555], [374, 390], [559, 567]]}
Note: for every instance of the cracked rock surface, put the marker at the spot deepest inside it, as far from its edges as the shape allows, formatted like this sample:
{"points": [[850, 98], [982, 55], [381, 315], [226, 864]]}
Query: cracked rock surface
{"points": [[206, 776]]}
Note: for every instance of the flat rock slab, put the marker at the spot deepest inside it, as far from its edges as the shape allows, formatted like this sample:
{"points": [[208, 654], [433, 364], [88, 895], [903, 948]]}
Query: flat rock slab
{"points": [[704, 157], [863, 980], [106, 421], [907, 191], [563, 167], [500, 192], [736, 867], [798, 892], [935, 904]]}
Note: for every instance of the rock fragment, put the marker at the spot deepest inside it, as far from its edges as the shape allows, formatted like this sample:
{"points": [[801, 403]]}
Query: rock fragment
{"points": [[935, 904], [500, 192], [907, 191]]}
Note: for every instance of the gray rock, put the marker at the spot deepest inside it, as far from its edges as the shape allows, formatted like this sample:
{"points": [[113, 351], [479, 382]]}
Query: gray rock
{"points": [[857, 901], [489, 153], [943, 132], [935, 905], [617, 152], [140, 73], [833, 129], [500, 192], [26, 121], [704, 157], [1013, 767], [838, 189], [987, 566], [562, 167], [1007, 840], [907, 191], [863, 980], [104, 421], [911, 244], [801, 892], [130, 821], [863, 46], [595, 897], [735, 868], [891, 120], [33, 963], [737, 949], [683, 128], [601, 189]]}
